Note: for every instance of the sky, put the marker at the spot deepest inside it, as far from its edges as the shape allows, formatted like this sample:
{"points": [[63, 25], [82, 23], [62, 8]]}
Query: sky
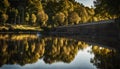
{"points": [[88, 3]]}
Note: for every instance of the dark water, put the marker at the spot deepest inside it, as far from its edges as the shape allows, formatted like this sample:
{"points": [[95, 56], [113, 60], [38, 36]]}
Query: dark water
{"points": [[32, 51]]}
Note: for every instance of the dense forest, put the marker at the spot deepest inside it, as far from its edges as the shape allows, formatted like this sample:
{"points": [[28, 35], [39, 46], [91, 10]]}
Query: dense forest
{"points": [[53, 13]]}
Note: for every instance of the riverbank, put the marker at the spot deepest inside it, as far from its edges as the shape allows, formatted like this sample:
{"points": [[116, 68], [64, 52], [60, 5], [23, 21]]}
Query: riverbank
{"points": [[10, 28]]}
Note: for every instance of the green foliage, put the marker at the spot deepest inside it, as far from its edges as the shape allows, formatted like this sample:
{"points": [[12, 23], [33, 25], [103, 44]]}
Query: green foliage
{"points": [[53, 13], [59, 18], [74, 18], [6, 3], [110, 6], [42, 17], [33, 18], [4, 17], [27, 17]]}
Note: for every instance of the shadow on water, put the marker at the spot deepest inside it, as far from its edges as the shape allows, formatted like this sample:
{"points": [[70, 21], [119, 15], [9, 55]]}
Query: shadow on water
{"points": [[101, 41], [63, 52], [105, 33], [94, 39]]}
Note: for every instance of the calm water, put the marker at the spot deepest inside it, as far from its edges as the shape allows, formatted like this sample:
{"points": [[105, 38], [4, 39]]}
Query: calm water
{"points": [[32, 51]]}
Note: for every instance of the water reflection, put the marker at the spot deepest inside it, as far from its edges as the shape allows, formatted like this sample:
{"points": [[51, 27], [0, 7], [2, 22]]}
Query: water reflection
{"points": [[105, 58], [19, 49], [25, 49]]}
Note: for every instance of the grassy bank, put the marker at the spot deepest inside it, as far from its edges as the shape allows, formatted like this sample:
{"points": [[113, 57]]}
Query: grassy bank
{"points": [[19, 28]]}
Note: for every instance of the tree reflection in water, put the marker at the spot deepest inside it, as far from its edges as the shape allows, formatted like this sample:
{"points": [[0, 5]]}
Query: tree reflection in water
{"points": [[25, 49], [105, 58], [62, 49], [20, 49]]}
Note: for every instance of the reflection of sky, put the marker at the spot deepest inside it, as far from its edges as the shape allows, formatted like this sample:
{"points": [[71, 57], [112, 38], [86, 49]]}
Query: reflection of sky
{"points": [[86, 2], [81, 61]]}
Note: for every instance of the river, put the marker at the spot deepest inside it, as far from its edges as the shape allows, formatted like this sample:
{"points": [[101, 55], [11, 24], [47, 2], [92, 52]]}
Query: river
{"points": [[34, 51]]}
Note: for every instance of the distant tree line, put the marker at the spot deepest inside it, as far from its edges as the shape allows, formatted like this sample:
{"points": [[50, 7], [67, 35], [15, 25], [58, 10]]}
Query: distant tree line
{"points": [[53, 13]]}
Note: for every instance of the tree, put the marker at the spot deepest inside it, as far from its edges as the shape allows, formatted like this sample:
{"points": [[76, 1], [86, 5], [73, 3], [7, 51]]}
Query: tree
{"points": [[90, 11], [33, 18], [33, 6], [42, 17], [59, 18], [74, 18], [66, 5], [16, 14], [27, 17], [13, 13], [110, 6], [4, 17], [6, 4]]}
